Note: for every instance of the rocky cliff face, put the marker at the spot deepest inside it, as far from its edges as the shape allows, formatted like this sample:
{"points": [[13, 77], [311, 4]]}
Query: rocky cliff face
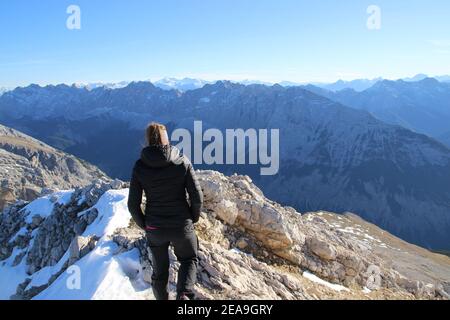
{"points": [[28, 166], [250, 248]]}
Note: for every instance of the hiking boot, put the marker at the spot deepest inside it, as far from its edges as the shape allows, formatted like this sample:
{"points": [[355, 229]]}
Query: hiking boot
{"points": [[183, 297], [187, 295]]}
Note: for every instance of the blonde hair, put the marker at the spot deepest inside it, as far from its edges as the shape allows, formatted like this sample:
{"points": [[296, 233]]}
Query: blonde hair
{"points": [[156, 134]]}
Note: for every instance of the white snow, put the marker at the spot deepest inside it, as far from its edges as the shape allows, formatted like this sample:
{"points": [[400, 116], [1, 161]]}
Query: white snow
{"points": [[370, 237], [81, 200], [63, 197], [350, 230], [123, 279], [23, 231], [104, 272], [316, 279], [42, 276], [366, 290], [180, 84], [237, 251], [103, 276], [360, 232], [44, 205], [11, 277], [82, 213], [112, 214]]}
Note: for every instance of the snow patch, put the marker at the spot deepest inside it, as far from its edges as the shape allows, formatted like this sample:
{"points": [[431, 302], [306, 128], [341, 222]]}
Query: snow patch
{"points": [[43, 206], [104, 276], [316, 279], [43, 276], [11, 277], [112, 214], [63, 197], [22, 232], [237, 251]]}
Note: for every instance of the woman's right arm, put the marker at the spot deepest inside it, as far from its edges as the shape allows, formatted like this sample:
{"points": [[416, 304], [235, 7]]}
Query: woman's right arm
{"points": [[135, 200]]}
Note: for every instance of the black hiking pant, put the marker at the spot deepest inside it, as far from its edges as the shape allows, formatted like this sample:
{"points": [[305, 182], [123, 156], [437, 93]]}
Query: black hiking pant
{"points": [[185, 243]]}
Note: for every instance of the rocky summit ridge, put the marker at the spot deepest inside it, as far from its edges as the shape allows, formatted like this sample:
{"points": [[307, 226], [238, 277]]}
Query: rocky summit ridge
{"points": [[250, 248]]}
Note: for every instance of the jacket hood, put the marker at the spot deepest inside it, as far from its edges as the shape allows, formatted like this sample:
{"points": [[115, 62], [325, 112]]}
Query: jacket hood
{"points": [[161, 156]]}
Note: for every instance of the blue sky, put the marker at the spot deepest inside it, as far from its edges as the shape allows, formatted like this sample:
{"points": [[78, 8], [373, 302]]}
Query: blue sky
{"points": [[295, 40]]}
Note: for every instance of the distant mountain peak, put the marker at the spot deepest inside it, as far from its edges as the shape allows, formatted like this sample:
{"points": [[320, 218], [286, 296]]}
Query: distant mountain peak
{"points": [[184, 84], [140, 84], [357, 84], [417, 77], [404, 84], [429, 80], [226, 84]]}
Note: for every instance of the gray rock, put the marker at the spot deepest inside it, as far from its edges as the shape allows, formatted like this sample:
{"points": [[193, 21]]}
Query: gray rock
{"points": [[321, 248], [79, 227], [116, 184], [36, 221], [242, 243], [91, 215], [81, 246], [442, 289]]}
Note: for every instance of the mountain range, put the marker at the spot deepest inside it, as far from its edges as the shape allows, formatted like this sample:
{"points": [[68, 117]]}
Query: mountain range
{"points": [[359, 85], [186, 84], [422, 106], [332, 157]]}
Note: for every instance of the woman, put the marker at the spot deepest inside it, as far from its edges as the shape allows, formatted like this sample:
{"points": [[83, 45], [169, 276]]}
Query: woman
{"points": [[165, 175]]}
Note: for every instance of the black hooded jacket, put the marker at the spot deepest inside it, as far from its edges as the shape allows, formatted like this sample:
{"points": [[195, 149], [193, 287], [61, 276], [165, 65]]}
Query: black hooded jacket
{"points": [[164, 175]]}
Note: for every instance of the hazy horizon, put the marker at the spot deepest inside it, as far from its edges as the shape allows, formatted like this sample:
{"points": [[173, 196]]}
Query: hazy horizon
{"points": [[155, 80]]}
